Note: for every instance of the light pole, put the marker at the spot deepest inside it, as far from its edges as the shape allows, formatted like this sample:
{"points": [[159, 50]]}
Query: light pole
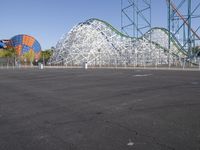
{"points": [[43, 59], [99, 50]]}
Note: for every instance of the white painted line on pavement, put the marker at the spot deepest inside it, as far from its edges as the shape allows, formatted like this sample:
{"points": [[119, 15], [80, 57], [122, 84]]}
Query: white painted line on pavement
{"points": [[142, 75]]}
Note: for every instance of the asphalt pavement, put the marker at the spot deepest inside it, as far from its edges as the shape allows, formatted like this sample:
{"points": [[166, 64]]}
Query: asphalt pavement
{"points": [[99, 109]]}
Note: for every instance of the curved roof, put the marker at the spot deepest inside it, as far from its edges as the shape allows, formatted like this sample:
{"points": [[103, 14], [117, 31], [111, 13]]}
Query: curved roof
{"points": [[24, 43]]}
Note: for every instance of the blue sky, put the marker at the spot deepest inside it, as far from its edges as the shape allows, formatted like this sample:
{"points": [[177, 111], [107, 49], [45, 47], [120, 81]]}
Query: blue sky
{"points": [[48, 20]]}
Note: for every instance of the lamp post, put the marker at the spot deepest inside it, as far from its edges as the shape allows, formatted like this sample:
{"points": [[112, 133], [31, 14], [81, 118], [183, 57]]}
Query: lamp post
{"points": [[43, 59], [99, 50]]}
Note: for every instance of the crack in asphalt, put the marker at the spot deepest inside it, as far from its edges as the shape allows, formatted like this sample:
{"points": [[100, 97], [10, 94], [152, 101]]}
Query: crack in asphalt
{"points": [[154, 139]]}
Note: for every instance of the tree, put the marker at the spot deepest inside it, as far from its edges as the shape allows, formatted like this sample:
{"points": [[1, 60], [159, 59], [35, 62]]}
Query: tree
{"points": [[9, 53], [45, 55], [28, 56]]}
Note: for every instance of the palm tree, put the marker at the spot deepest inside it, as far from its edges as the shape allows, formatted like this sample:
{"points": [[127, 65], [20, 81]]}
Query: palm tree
{"points": [[45, 56]]}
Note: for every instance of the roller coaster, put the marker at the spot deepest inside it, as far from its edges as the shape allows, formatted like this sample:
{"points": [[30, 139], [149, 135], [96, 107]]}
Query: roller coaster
{"points": [[98, 43]]}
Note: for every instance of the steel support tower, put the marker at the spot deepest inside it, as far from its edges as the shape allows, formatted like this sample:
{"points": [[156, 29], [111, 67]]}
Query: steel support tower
{"points": [[135, 17], [183, 23]]}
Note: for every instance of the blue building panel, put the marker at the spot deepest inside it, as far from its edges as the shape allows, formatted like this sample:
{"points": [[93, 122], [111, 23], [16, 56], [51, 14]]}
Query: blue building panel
{"points": [[25, 49], [2, 45]]}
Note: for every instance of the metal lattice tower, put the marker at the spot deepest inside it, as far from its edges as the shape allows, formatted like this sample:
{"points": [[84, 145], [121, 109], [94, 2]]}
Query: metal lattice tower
{"points": [[135, 17], [183, 23]]}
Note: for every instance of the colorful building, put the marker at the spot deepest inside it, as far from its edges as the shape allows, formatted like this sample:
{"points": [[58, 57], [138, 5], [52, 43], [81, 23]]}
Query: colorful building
{"points": [[27, 47]]}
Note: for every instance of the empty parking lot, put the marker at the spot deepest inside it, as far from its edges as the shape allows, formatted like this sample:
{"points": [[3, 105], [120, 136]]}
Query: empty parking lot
{"points": [[99, 109]]}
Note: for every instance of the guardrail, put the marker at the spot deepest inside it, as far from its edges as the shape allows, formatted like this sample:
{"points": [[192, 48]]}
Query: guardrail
{"points": [[172, 68]]}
